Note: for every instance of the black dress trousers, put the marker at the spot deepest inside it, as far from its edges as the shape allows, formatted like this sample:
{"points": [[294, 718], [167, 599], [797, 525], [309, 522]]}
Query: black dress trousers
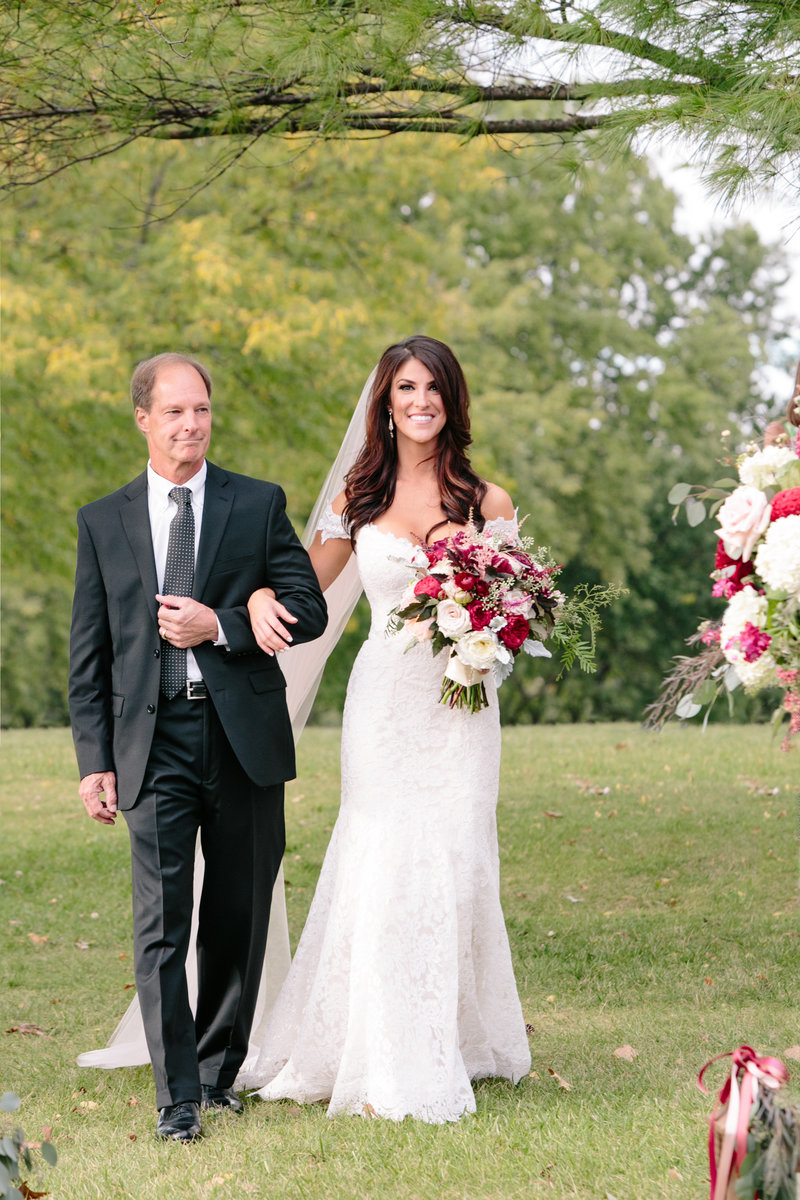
{"points": [[194, 783]]}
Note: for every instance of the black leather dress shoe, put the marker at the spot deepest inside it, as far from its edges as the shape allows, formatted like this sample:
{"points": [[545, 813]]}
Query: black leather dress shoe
{"points": [[179, 1122], [220, 1098]]}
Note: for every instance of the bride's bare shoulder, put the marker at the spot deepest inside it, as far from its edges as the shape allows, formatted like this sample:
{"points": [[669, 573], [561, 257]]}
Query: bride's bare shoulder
{"points": [[497, 503], [338, 503]]}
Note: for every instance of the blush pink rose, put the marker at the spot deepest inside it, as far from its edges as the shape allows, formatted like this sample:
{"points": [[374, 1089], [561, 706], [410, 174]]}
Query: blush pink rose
{"points": [[421, 630], [742, 519]]}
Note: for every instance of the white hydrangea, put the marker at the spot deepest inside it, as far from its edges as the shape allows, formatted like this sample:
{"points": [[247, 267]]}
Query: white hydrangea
{"points": [[761, 673], [747, 607], [777, 560], [743, 608], [759, 470]]}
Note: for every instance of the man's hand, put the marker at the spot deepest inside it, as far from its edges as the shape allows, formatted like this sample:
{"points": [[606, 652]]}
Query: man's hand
{"points": [[185, 622], [266, 618], [92, 790]]}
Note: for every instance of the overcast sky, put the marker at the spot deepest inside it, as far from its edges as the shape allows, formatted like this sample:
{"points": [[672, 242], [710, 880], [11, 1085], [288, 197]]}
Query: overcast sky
{"points": [[774, 217]]}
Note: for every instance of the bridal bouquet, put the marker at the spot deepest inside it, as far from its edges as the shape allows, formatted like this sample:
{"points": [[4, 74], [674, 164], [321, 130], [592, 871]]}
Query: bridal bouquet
{"points": [[484, 598], [756, 642]]}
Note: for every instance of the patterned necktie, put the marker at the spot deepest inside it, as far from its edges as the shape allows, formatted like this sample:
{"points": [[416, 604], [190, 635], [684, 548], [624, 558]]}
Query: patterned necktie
{"points": [[178, 579]]}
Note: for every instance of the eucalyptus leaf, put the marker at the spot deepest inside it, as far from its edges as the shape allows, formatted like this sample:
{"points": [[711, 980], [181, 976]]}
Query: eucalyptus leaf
{"points": [[705, 693], [49, 1153], [678, 493], [686, 708], [695, 511], [732, 680], [725, 483], [9, 1102]]}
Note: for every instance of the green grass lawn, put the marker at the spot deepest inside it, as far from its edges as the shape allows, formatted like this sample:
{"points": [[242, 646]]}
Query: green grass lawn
{"points": [[650, 889]]}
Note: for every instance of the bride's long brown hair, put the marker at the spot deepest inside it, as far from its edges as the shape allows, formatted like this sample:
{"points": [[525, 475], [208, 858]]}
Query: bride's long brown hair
{"points": [[370, 482]]}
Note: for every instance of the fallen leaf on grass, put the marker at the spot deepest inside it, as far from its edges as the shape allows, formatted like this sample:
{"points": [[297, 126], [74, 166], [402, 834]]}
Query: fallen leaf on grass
{"points": [[561, 1082], [369, 1111], [529, 1028], [627, 1052], [37, 938], [82, 945], [792, 1052], [674, 1173], [28, 1029], [133, 1102], [25, 1191], [556, 816]]}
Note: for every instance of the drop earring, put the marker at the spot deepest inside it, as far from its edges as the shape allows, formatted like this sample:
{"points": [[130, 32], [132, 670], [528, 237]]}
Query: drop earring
{"points": [[391, 425]]}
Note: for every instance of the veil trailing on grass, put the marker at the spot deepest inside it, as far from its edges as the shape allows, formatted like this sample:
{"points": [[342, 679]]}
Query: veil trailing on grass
{"points": [[302, 666]]}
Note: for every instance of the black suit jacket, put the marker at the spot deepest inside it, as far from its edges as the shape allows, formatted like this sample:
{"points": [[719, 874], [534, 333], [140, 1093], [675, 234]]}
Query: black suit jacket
{"points": [[246, 542]]}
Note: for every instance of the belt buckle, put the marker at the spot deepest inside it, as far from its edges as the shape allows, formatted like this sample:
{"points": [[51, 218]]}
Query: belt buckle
{"points": [[196, 689]]}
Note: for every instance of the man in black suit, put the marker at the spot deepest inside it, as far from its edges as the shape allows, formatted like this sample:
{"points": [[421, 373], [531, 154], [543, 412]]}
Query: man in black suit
{"points": [[180, 721]]}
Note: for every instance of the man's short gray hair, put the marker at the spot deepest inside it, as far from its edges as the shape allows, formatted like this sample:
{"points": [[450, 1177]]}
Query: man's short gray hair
{"points": [[144, 376]]}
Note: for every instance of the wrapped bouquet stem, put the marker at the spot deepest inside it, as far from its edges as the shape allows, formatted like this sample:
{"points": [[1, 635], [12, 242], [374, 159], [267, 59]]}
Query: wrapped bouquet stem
{"points": [[463, 686]]}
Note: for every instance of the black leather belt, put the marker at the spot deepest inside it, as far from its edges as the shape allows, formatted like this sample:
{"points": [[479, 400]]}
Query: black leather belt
{"points": [[196, 689]]}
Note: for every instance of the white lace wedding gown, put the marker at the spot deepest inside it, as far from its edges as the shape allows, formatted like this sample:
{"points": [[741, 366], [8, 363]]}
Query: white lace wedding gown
{"points": [[402, 988]]}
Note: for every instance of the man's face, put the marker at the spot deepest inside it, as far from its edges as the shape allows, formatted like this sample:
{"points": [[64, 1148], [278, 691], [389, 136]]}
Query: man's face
{"points": [[178, 423]]}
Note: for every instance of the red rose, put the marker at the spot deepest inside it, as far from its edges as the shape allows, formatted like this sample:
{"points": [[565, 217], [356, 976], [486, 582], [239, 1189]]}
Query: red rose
{"points": [[514, 632], [479, 616], [465, 581], [481, 587], [786, 504], [429, 586], [741, 569]]}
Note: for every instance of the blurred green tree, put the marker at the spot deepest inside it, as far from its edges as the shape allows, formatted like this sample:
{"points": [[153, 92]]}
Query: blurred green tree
{"points": [[603, 351]]}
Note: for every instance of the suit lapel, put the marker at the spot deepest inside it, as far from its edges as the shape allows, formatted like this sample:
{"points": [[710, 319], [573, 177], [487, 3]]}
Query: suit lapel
{"points": [[136, 522], [217, 505]]}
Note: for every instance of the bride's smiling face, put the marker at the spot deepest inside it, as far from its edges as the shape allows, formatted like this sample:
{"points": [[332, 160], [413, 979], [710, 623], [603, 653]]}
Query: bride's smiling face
{"points": [[416, 404]]}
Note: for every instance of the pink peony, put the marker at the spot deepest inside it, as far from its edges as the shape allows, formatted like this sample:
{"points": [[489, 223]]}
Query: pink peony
{"points": [[429, 586], [742, 519]]}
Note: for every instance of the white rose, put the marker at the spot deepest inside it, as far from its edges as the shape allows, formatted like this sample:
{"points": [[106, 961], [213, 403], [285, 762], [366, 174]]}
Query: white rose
{"points": [[452, 618], [742, 519], [419, 558], [760, 470], [478, 649]]}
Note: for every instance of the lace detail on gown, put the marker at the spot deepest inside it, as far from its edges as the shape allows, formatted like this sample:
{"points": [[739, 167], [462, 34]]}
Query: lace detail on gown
{"points": [[331, 524], [402, 989]]}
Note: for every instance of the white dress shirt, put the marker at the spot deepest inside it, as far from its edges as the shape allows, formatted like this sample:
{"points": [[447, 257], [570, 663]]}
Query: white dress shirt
{"points": [[162, 510]]}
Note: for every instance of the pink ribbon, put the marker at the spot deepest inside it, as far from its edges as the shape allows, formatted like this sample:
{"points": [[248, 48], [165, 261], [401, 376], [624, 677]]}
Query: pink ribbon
{"points": [[739, 1091]]}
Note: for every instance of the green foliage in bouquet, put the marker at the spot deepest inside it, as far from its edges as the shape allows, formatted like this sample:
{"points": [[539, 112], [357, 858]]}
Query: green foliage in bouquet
{"points": [[772, 1165], [15, 1155]]}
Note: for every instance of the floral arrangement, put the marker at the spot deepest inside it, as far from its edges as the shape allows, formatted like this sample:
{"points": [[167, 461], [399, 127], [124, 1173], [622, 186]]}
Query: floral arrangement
{"points": [[485, 598], [754, 1135], [756, 643]]}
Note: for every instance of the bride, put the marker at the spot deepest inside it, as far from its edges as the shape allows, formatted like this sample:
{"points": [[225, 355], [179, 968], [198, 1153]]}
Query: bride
{"points": [[401, 991]]}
